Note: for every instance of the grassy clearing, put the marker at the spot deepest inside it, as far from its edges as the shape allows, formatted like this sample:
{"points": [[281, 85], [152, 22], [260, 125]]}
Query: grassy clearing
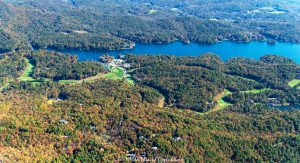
{"points": [[251, 80], [129, 79], [116, 74], [119, 74], [131, 70], [27, 75], [89, 79], [294, 83], [226, 93], [69, 81], [256, 91], [92, 78], [221, 104]]}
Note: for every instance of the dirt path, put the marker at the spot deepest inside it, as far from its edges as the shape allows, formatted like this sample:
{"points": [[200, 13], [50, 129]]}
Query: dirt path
{"points": [[221, 104], [219, 97], [161, 102]]}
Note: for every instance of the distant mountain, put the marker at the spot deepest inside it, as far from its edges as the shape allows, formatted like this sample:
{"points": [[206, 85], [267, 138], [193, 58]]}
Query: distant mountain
{"points": [[43, 23]]}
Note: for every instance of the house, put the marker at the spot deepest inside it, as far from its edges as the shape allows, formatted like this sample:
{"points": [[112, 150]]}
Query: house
{"points": [[63, 121], [105, 58], [177, 139], [154, 148]]}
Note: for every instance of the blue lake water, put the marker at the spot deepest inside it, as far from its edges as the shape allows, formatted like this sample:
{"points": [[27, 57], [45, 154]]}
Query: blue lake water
{"points": [[225, 50], [287, 108]]}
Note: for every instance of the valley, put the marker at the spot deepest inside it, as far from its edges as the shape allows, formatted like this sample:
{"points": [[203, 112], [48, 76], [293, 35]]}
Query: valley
{"points": [[142, 80]]}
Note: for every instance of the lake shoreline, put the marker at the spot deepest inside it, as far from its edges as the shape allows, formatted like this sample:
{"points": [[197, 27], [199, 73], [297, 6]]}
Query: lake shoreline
{"points": [[225, 49], [159, 43]]}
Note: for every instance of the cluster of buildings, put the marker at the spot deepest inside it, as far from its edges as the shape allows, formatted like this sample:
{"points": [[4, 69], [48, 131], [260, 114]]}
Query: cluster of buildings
{"points": [[110, 62]]}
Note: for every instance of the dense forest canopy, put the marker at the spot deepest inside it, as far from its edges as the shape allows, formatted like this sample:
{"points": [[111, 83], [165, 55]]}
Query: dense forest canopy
{"points": [[192, 82], [54, 108], [189, 108], [116, 24], [59, 66]]}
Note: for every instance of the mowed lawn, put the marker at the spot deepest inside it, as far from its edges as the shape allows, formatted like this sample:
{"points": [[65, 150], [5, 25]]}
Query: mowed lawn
{"points": [[89, 79], [294, 83], [221, 104], [27, 75], [129, 79], [256, 91], [116, 74], [69, 81]]}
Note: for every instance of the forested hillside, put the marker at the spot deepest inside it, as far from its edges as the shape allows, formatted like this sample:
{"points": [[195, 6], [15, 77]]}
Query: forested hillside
{"points": [[194, 82], [174, 110], [115, 24], [11, 66], [60, 67], [57, 108]]}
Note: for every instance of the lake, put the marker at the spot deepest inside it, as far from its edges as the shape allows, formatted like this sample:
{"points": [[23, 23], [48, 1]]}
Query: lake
{"points": [[225, 50], [287, 108]]}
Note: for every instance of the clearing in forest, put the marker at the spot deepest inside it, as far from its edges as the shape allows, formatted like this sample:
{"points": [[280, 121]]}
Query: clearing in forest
{"points": [[27, 75], [221, 104], [294, 83], [89, 79], [255, 91], [116, 74]]}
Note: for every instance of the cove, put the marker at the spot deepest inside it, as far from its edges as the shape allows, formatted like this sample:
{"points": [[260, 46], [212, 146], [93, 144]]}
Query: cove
{"points": [[225, 50]]}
